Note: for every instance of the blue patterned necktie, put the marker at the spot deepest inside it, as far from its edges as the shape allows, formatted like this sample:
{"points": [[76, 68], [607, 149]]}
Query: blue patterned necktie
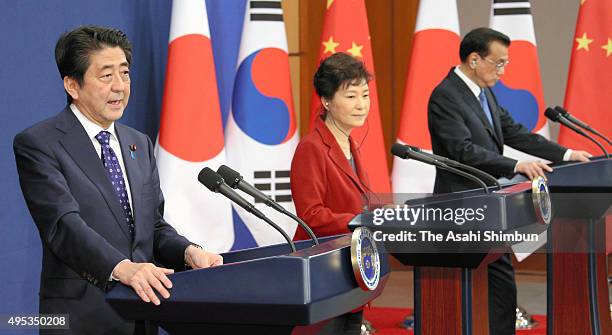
{"points": [[113, 170], [485, 106]]}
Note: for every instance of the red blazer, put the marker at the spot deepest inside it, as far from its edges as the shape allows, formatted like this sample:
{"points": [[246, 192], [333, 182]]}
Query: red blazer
{"points": [[326, 191]]}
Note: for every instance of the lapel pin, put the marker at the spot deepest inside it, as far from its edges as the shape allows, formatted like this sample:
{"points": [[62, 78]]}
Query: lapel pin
{"points": [[133, 151]]}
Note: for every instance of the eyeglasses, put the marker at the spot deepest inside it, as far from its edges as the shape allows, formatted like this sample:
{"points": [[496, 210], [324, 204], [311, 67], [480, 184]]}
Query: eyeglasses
{"points": [[498, 65]]}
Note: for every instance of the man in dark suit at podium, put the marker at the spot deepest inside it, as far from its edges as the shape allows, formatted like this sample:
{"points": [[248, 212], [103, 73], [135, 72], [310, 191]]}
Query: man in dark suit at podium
{"points": [[92, 187], [468, 125]]}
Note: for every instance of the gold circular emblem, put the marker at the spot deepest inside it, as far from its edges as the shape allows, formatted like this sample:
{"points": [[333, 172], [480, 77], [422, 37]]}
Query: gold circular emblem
{"points": [[541, 200], [365, 259]]}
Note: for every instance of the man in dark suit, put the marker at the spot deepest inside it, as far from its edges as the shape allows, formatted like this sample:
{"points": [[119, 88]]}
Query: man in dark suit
{"points": [[92, 188], [467, 124]]}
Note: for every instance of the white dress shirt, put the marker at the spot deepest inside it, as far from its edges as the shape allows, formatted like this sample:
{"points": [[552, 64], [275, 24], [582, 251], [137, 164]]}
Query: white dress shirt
{"points": [[476, 91], [92, 130]]}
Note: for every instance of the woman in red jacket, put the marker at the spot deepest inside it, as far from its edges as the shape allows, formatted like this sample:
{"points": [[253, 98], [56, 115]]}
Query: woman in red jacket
{"points": [[328, 183]]}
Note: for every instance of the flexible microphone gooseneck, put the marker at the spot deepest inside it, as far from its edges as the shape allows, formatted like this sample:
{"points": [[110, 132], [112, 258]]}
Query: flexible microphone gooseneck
{"points": [[405, 152], [555, 116], [461, 166], [215, 183], [580, 123], [236, 181]]}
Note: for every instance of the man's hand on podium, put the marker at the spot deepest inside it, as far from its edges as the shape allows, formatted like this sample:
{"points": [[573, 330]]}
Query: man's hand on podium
{"points": [[143, 278], [532, 169], [198, 258], [580, 155]]}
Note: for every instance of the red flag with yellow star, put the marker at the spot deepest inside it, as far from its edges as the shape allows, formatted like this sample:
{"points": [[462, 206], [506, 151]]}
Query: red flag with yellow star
{"points": [[345, 29], [589, 94]]}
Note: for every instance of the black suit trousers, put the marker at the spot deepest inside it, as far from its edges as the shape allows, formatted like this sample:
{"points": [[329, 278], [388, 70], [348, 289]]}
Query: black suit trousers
{"points": [[502, 297]]}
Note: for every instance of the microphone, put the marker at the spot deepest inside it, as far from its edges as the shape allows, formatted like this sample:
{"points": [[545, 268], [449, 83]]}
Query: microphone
{"points": [[215, 183], [580, 123], [461, 166], [406, 152], [235, 180], [555, 116]]}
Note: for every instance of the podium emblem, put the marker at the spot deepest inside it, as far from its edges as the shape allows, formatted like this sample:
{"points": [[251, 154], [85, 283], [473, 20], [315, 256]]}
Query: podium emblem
{"points": [[541, 200], [365, 259]]}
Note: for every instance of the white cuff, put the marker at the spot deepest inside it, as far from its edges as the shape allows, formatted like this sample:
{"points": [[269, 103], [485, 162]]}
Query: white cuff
{"points": [[567, 155], [515, 165], [111, 278]]}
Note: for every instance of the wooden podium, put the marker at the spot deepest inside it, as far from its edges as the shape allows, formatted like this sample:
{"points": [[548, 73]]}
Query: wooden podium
{"points": [[450, 283], [577, 279], [578, 298]]}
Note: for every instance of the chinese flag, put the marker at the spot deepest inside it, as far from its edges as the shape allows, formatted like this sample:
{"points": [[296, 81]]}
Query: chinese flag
{"points": [[345, 29], [589, 94]]}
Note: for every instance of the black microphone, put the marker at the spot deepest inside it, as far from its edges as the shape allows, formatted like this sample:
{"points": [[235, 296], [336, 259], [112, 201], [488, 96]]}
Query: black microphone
{"points": [[580, 123], [461, 166], [405, 152], [235, 180], [555, 116], [214, 182]]}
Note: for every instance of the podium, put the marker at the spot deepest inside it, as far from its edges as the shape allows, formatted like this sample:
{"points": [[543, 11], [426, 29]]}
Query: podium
{"points": [[577, 279], [263, 290], [578, 298], [450, 290]]}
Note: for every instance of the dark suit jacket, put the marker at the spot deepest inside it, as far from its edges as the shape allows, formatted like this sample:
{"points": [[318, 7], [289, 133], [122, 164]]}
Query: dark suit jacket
{"points": [[326, 191], [80, 222], [460, 130]]}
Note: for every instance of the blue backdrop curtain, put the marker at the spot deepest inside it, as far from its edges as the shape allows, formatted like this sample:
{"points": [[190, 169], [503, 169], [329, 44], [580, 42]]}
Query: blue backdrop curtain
{"points": [[31, 90]]}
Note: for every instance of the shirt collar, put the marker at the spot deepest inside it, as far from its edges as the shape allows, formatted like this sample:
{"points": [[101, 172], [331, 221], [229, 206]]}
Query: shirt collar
{"points": [[471, 85], [91, 128]]}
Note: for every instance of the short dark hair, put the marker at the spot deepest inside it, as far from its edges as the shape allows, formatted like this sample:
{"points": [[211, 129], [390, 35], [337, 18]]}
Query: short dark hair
{"points": [[74, 47], [338, 70], [479, 40]]}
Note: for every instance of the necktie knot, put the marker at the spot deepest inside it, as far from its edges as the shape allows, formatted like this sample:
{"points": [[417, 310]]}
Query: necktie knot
{"points": [[482, 97], [103, 137]]}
